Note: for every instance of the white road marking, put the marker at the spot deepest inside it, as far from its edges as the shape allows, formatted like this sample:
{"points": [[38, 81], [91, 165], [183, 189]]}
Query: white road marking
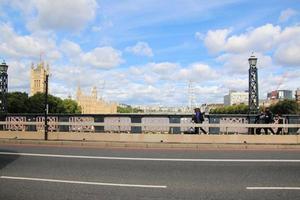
{"points": [[82, 182], [273, 188], [149, 159]]}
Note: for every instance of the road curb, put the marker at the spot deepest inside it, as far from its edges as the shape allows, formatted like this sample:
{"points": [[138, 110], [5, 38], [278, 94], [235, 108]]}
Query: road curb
{"points": [[151, 145]]}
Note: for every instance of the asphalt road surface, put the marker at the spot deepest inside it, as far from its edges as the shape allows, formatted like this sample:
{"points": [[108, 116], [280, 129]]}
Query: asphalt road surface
{"points": [[36, 172]]}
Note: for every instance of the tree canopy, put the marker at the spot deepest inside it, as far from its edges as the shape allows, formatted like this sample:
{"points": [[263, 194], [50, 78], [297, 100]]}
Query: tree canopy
{"points": [[19, 102], [234, 109], [282, 107], [286, 107], [128, 109]]}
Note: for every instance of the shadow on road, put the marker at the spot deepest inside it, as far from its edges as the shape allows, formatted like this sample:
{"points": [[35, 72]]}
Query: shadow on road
{"points": [[7, 159]]}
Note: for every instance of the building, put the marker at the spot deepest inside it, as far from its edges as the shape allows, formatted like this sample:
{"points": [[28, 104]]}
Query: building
{"points": [[236, 98], [90, 104], [38, 77], [280, 95], [297, 95]]}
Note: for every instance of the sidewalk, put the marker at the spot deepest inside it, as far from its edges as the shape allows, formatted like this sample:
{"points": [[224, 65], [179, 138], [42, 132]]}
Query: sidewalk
{"points": [[150, 145]]}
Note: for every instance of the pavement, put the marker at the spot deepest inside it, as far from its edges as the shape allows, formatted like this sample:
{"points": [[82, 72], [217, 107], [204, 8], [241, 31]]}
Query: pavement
{"points": [[152, 145], [67, 172]]}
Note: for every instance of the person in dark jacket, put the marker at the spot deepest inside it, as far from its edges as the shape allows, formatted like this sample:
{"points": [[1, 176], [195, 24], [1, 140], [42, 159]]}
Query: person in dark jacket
{"points": [[259, 119], [269, 120], [198, 118]]}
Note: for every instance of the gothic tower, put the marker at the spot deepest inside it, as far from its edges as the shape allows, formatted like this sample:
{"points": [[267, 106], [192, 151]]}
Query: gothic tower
{"points": [[38, 78]]}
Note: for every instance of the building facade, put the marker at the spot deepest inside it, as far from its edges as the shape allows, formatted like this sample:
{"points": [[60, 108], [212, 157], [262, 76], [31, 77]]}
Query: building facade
{"points": [[90, 104], [280, 95], [236, 98], [38, 77]]}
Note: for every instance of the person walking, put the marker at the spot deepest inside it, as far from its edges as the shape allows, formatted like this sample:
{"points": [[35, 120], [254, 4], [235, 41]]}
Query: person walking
{"points": [[198, 118]]}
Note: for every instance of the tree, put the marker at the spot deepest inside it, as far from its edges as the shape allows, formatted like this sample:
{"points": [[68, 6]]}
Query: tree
{"points": [[285, 107], [71, 106], [17, 102], [36, 103], [234, 109], [128, 109]]}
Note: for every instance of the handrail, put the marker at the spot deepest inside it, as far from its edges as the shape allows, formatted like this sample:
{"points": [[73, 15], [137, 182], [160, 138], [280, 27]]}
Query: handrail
{"points": [[184, 125]]}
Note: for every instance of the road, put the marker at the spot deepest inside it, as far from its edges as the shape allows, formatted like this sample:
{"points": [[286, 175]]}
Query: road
{"points": [[41, 172]]}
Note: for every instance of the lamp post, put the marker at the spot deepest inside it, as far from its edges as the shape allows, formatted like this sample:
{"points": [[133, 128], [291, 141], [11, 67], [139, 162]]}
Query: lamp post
{"points": [[3, 87], [253, 85], [46, 107]]}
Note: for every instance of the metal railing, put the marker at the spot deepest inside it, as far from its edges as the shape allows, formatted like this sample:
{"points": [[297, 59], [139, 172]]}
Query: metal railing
{"points": [[142, 123]]}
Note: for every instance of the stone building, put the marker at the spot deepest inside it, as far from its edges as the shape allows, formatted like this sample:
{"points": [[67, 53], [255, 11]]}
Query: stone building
{"points": [[90, 104], [38, 77]]}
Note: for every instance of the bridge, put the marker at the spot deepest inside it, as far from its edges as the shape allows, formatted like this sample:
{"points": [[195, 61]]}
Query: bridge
{"points": [[169, 128]]}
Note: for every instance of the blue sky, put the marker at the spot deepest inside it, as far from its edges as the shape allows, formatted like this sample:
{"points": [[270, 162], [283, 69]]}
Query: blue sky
{"points": [[146, 52]]}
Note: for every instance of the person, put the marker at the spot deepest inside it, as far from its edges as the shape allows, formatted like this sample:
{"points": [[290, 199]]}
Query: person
{"points": [[279, 121], [198, 118], [268, 120], [259, 119]]}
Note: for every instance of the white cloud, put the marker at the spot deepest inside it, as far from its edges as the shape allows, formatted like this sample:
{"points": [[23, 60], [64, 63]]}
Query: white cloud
{"points": [[285, 15], [196, 72], [262, 38], [163, 68], [141, 49], [18, 76], [216, 40], [70, 48], [17, 46], [267, 39], [288, 54], [102, 57], [71, 15], [238, 63]]}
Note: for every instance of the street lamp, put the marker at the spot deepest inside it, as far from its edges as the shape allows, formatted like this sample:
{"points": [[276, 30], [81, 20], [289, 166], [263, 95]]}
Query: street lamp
{"points": [[3, 87], [252, 61], [253, 85], [46, 106]]}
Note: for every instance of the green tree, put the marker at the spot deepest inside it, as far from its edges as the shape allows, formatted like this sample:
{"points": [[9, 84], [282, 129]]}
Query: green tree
{"points": [[286, 107], [128, 109], [234, 109], [17, 102], [36, 104], [55, 104], [71, 106]]}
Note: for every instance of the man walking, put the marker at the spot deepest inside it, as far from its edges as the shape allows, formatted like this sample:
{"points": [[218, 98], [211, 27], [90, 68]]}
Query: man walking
{"points": [[198, 119]]}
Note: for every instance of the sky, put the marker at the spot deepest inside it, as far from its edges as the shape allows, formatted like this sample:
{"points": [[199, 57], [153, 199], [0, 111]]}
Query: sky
{"points": [[148, 52]]}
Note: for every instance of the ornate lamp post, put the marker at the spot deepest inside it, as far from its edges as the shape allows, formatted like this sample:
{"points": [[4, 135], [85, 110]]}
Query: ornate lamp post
{"points": [[253, 86], [46, 106], [3, 87]]}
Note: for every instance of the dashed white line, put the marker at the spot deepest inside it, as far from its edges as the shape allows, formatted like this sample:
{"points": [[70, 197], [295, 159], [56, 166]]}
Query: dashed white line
{"points": [[82, 182], [273, 188], [151, 159]]}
